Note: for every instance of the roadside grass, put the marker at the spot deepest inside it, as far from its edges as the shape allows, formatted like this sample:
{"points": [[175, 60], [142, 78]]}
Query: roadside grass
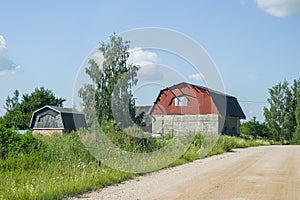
{"points": [[223, 144], [62, 167]]}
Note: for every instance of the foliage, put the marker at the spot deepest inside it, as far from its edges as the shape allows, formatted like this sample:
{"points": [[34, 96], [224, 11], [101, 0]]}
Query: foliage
{"points": [[132, 139], [62, 167], [255, 129], [12, 103], [223, 144], [19, 111], [111, 85], [281, 116], [296, 136], [275, 115], [12, 143]]}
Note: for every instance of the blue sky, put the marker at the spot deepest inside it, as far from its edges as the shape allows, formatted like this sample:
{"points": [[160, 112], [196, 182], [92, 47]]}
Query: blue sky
{"points": [[254, 43]]}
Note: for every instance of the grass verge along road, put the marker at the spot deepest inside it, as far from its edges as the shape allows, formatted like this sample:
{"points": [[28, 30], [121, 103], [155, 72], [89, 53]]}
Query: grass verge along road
{"points": [[266, 172]]}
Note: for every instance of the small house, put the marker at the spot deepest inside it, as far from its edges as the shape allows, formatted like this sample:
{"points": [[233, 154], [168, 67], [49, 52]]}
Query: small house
{"points": [[187, 108], [52, 119]]}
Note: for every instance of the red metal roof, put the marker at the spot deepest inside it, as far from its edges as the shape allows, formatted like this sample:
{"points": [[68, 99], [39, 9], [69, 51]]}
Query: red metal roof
{"points": [[201, 100]]}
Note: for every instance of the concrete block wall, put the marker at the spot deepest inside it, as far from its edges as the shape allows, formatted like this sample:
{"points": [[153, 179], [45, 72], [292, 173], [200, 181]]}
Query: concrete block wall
{"points": [[231, 126], [184, 124]]}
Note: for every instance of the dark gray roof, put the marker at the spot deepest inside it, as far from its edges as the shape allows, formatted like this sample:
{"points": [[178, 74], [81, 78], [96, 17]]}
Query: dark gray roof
{"points": [[71, 118], [64, 110], [227, 105]]}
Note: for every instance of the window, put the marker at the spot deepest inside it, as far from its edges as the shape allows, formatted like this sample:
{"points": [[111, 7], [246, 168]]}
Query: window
{"points": [[181, 100]]}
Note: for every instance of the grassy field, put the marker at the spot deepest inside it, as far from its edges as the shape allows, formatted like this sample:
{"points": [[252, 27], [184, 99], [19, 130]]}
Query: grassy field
{"points": [[61, 166]]}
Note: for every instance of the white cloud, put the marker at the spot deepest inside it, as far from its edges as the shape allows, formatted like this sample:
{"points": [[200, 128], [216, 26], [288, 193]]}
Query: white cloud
{"points": [[7, 66], [148, 61], [138, 56], [15, 69], [280, 8], [3, 47], [196, 77]]}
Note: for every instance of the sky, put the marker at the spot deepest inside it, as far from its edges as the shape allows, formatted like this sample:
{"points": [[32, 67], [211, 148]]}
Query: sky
{"points": [[253, 43]]}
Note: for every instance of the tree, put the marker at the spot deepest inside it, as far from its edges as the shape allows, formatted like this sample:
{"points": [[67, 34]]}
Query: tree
{"points": [[283, 116], [254, 128], [12, 103], [274, 116], [19, 112], [296, 136], [289, 119], [111, 84]]}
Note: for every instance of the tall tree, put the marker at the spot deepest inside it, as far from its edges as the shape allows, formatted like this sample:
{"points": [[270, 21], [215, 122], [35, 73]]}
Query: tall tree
{"points": [[283, 115], [297, 115], [19, 112], [274, 116], [289, 119], [111, 83], [12, 103]]}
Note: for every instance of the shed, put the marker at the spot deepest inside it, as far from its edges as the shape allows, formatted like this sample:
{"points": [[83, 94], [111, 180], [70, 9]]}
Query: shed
{"points": [[187, 108], [53, 119]]}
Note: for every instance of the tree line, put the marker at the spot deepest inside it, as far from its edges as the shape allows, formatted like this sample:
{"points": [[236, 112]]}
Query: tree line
{"points": [[109, 98], [282, 116], [19, 109]]}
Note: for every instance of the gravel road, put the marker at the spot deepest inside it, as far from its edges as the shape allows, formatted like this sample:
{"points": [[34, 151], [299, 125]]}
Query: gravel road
{"points": [[269, 172]]}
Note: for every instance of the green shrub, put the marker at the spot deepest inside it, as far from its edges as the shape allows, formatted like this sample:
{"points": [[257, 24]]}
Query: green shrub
{"points": [[132, 139], [12, 143]]}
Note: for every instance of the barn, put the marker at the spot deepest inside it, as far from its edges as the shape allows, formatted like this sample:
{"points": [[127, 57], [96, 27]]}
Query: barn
{"points": [[52, 119], [187, 108]]}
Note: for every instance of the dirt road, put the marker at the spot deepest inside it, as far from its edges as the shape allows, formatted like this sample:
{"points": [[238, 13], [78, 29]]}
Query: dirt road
{"points": [[271, 172]]}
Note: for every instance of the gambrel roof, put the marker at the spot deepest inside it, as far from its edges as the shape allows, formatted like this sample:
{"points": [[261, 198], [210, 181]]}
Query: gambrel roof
{"points": [[57, 118], [209, 101]]}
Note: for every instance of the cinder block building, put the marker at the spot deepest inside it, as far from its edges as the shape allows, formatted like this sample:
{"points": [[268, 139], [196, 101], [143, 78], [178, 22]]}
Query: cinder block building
{"points": [[186, 108]]}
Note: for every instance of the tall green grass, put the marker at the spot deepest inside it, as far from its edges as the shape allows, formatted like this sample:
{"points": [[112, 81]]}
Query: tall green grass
{"points": [[61, 166], [222, 145]]}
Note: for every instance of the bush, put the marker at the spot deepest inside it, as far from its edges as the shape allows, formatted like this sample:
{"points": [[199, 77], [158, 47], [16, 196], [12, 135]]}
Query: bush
{"points": [[254, 129], [132, 139], [64, 148], [12, 143]]}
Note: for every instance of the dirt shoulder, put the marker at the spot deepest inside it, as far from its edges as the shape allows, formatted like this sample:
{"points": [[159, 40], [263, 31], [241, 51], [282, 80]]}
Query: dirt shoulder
{"points": [[268, 172]]}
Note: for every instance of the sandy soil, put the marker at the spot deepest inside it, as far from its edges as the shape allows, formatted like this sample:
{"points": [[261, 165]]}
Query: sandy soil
{"points": [[271, 172]]}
